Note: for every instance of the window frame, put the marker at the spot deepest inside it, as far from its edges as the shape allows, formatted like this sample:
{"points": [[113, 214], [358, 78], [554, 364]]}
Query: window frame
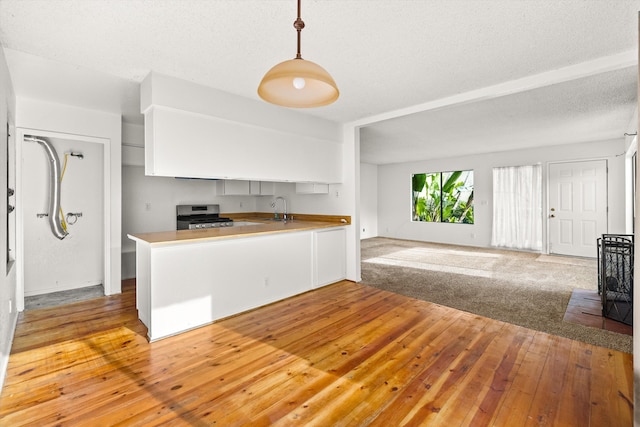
{"points": [[442, 203]]}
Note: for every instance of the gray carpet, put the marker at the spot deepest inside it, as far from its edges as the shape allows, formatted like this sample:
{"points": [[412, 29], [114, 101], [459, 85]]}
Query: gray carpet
{"points": [[521, 288]]}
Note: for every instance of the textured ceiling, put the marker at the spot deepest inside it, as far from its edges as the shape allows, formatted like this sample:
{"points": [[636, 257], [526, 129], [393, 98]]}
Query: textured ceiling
{"points": [[385, 56], [595, 108]]}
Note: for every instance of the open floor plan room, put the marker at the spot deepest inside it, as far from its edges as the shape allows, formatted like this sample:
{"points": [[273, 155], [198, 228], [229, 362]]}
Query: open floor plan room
{"points": [[378, 221], [344, 354]]}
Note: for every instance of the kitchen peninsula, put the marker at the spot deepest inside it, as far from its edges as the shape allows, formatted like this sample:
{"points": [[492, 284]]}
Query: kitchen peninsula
{"points": [[189, 278]]}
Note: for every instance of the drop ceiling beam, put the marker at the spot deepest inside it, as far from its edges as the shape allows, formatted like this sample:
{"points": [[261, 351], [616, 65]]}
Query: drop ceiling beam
{"points": [[548, 78]]}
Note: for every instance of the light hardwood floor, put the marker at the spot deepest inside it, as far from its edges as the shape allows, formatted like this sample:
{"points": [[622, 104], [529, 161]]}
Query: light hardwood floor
{"points": [[346, 354]]}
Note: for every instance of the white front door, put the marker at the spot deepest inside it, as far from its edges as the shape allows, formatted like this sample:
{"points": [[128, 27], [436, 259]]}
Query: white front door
{"points": [[577, 207]]}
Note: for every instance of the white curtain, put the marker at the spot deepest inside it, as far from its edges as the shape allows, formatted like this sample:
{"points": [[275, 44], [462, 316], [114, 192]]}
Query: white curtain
{"points": [[517, 207]]}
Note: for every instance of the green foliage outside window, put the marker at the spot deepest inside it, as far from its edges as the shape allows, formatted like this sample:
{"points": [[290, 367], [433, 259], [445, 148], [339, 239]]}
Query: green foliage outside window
{"points": [[443, 197]]}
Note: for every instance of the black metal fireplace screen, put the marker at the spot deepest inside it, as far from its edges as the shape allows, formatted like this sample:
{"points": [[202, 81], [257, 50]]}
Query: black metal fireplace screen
{"points": [[615, 276]]}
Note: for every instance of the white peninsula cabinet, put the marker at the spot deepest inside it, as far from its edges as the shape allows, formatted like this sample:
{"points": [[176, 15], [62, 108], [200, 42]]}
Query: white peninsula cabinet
{"points": [[186, 282], [330, 254]]}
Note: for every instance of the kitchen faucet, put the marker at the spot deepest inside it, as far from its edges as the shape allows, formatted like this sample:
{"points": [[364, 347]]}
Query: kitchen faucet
{"points": [[274, 205]]}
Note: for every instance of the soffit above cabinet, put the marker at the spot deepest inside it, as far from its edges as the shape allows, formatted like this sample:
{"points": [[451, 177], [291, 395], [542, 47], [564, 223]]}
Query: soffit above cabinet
{"points": [[182, 142], [161, 90]]}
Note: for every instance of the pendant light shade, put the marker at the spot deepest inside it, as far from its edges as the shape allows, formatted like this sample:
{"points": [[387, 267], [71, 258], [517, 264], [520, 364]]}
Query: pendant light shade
{"points": [[298, 83]]}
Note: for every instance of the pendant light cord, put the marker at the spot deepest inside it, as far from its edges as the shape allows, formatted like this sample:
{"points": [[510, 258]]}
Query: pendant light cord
{"points": [[298, 25]]}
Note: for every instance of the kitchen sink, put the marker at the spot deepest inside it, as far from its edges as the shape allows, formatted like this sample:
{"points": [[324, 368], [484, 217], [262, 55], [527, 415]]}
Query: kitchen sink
{"points": [[245, 223]]}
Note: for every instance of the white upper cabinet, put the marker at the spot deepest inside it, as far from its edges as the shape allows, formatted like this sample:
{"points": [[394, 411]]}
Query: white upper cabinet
{"points": [[311, 188], [254, 188], [199, 132], [226, 187], [267, 188], [236, 187]]}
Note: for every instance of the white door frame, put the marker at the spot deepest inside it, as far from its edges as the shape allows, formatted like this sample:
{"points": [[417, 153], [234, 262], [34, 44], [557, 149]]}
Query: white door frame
{"points": [[629, 182], [106, 143], [548, 189]]}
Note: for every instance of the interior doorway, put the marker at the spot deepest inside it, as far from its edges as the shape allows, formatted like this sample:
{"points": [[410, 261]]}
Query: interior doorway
{"points": [[82, 258], [577, 207], [76, 261]]}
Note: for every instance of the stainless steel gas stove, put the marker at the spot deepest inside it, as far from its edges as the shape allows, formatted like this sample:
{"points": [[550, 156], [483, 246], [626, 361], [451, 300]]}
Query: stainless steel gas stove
{"points": [[190, 217]]}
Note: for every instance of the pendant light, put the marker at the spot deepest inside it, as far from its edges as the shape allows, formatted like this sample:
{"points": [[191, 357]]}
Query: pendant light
{"points": [[298, 83]]}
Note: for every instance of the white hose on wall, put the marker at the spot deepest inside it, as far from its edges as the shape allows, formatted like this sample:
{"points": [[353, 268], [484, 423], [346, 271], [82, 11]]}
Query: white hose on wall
{"points": [[55, 217]]}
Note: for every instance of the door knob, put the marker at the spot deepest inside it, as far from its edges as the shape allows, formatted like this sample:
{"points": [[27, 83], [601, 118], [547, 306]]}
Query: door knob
{"points": [[552, 216], [553, 209]]}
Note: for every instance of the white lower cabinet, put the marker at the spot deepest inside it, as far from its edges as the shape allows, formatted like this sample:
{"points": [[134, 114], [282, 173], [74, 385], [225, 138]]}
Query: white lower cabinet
{"points": [[330, 251]]}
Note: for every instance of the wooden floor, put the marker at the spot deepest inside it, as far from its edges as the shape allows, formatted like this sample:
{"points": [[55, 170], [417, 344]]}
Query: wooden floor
{"points": [[585, 308], [346, 354]]}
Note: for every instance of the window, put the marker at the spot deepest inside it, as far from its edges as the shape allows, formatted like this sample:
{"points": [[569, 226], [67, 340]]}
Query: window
{"points": [[443, 197]]}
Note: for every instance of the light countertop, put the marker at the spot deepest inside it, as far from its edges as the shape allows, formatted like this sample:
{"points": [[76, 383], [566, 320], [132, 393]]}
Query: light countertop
{"points": [[258, 227]]}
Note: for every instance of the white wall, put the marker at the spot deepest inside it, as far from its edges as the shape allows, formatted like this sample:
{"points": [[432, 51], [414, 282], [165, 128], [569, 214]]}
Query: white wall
{"points": [[368, 200], [8, 312], [51, 264], [394, 190], [51, 119], [149, 205]]}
